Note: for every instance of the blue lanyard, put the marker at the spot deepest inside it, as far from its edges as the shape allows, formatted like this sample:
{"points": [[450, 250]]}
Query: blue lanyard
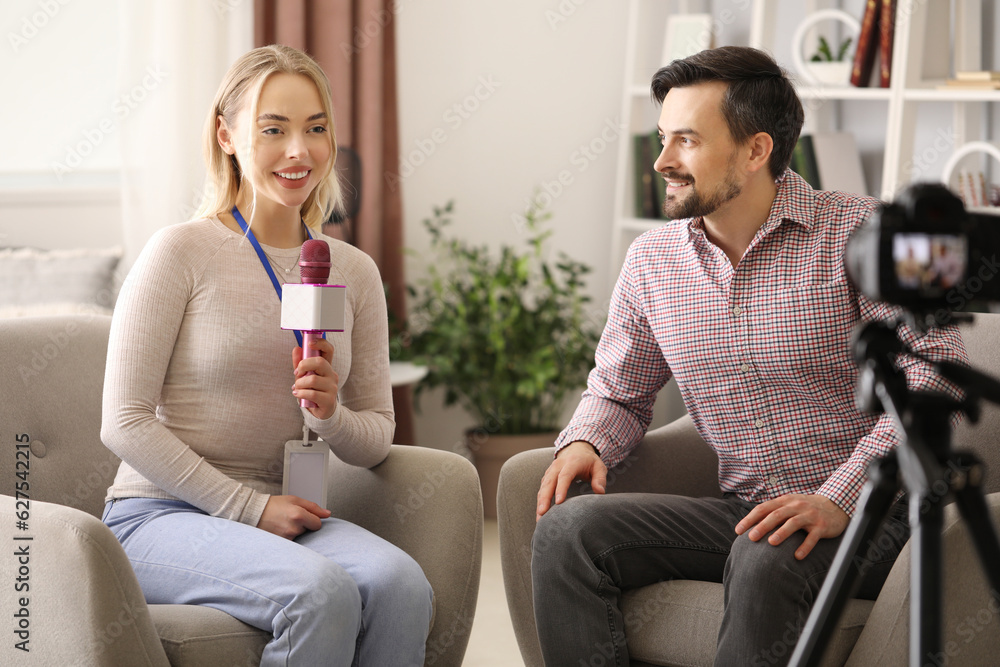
{"points": [[263, 258]]}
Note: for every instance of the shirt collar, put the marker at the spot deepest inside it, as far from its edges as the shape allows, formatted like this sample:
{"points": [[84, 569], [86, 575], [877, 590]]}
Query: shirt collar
{"points": [[795, 202]]}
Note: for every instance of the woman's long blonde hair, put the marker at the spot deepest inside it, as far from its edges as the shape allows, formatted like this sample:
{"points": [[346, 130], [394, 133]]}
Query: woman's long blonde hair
{"points": [[242, 86]]}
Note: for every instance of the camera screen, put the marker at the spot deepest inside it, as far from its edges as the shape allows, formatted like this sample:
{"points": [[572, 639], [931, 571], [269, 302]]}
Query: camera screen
{"points": [[929, 262]]}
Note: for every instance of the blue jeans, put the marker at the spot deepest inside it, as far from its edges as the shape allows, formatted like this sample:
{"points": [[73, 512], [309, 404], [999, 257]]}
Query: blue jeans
{"points": [[337, 596]]}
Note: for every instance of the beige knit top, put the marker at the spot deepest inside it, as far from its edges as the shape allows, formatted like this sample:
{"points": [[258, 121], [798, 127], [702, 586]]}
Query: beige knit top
{"points": [[197, 391]]}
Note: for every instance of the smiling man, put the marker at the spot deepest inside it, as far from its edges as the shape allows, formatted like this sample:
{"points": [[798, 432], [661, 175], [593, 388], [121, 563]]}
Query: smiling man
{"points": [[742, 298]]}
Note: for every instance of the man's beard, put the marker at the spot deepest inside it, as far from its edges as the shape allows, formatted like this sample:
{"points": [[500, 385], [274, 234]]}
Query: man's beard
{"points": [[694, 204]]}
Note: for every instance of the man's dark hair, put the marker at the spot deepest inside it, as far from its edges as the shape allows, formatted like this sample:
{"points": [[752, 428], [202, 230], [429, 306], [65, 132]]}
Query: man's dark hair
{"points": [[760, 98]]}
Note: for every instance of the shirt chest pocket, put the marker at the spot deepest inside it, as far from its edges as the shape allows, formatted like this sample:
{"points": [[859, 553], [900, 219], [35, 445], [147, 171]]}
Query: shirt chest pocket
{"points": [[805, 327]]}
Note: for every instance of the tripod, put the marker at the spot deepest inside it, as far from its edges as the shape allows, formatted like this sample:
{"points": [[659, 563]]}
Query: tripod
{"points": [[925, 465]]}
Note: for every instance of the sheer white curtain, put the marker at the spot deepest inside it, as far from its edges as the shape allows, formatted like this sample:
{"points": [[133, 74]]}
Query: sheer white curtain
{"points": [[174, 53]]}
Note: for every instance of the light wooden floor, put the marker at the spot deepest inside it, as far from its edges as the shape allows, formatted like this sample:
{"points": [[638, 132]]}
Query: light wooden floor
{"points": [[492, 642]]}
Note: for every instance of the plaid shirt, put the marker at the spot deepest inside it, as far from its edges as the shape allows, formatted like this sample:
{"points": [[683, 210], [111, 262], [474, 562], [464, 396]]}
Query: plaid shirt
{"points": [[761, 353]]}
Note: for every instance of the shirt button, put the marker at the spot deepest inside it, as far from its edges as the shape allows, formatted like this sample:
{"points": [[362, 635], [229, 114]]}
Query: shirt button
{"points": [[745, 367], [737, 310], [759, 422], [772, 480]]}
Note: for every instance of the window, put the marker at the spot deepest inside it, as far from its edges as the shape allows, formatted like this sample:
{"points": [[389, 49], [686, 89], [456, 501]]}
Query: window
{"points": [[61, 111]]}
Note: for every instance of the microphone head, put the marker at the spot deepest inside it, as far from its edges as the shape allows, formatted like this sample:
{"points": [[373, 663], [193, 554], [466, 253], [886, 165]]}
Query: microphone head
{"points": [[314, 262]]}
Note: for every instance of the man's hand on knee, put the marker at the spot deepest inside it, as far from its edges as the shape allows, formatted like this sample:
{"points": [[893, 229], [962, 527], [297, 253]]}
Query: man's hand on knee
{"points": [[578, 460], [819, 516]]}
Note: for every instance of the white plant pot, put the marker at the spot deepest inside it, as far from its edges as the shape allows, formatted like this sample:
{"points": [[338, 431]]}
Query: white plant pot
{"points": [[830, 73], [805, 69]]}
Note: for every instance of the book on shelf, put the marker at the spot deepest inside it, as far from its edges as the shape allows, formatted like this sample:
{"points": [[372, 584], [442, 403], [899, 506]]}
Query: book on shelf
{"points": [[829, 161], [645, 186], [659, 183], [867, 44], [977, 75], [804, 161], [887, 30]]}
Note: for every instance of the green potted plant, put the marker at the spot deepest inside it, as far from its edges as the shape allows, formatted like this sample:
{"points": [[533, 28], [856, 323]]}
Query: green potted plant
{"points": [[825, 55], [828, 67], [506, 334], [825, 66]]}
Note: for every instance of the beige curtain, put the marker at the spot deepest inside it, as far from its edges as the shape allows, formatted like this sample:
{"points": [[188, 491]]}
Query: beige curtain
{"points": [[166, 88], [354, 42]]}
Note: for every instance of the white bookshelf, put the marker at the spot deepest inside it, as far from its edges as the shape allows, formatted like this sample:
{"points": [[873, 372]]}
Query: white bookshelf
{"points": [[923, 57], [931, 40], [843, 93]]}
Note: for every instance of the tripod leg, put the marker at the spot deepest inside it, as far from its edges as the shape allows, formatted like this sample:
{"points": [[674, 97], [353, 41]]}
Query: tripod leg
{"points": [[875, 503], [974, 510], [925, 576]]}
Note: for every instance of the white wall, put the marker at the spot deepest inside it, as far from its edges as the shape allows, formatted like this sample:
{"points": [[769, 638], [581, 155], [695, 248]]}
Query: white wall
{"points": [[549, 86], [512, 101]]}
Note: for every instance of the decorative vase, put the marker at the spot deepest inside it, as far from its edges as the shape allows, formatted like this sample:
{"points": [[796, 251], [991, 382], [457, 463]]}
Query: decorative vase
{"points": [[491, 451]]}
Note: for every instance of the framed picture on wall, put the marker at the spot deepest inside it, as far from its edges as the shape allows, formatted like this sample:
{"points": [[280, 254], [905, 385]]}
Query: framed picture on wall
{"points": [[686, 35]]}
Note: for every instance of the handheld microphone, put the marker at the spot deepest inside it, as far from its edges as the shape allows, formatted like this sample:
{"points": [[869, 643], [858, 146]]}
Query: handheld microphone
{"points": [[314, 269], [313, 307]]}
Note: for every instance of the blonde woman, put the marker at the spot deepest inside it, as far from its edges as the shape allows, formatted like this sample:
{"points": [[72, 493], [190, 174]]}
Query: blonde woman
{"points": [[203, 387]]}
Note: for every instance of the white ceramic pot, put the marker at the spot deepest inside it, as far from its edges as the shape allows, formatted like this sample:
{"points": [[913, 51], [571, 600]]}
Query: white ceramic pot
{"points": [[830, 73]]}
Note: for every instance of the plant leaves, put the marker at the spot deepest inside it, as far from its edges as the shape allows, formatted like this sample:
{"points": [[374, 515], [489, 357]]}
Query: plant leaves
{"points": [[506, 333]]}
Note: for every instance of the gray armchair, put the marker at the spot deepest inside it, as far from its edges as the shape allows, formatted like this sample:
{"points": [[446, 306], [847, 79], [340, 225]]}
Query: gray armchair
{"points": [[83, 605], [677, 622]]}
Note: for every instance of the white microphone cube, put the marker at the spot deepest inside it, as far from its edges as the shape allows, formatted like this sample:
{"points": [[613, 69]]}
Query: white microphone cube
{"points": [[313, 307]]}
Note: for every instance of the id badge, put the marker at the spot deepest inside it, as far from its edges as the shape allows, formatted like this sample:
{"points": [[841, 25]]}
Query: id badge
{"points": [[305, 469]]}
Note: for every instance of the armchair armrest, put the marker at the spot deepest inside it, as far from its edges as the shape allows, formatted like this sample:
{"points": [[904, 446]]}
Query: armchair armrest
{"points": [[80, 602], [670, 459], [967, 613], [428, 503]]}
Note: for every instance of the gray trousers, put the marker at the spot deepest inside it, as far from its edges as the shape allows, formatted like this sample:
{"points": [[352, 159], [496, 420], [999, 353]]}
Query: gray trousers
{"points": [[591, 548]]}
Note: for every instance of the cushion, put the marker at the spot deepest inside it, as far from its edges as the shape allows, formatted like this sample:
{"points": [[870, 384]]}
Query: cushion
{"points": [[37, 282], [677, 622], [196, 636]]}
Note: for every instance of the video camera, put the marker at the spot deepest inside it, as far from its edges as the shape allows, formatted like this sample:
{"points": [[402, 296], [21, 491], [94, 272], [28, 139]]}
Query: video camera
{"points": [[926, 253]]}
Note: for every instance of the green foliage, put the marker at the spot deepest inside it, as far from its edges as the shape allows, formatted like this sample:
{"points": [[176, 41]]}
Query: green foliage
{"points": [[507, 337], [825, 54]]}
